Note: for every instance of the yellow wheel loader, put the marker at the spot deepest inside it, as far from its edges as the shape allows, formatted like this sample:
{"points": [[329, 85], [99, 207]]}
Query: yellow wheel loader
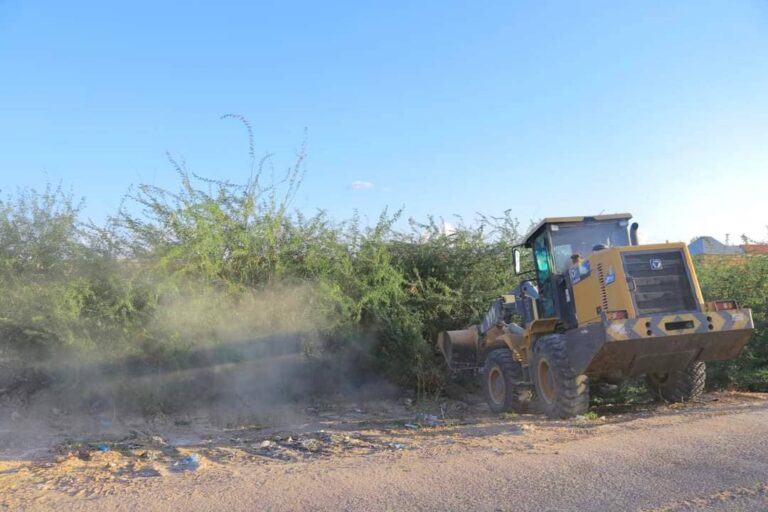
{"points": [[596, 306]]}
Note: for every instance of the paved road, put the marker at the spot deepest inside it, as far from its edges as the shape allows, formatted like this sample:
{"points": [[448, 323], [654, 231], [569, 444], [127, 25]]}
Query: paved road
{"points": [[712, 459]]}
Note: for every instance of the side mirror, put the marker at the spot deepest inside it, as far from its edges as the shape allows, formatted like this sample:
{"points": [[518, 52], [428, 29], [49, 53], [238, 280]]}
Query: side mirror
{"points": [[516, 258]]}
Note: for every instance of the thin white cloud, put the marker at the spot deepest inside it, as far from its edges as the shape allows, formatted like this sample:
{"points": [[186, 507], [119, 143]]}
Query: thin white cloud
{"points": [[361, 185]]}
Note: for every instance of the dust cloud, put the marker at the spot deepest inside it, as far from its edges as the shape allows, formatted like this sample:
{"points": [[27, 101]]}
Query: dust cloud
{"points": [[233, 358]]}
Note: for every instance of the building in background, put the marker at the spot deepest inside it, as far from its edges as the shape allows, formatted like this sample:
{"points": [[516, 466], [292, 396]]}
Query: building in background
{"points": [[707, 245], [755, 248]]}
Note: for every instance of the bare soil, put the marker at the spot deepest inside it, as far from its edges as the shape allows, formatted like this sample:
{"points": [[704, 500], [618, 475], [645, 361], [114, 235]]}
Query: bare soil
{"points": [[391, 455]]}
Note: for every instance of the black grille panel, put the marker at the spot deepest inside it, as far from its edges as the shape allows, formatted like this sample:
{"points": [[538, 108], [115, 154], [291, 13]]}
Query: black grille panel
{"points": [[661, 281]]}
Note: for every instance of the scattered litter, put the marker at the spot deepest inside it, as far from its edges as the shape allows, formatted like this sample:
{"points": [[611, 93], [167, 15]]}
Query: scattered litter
{"points": [[148, 472], [585, 418], [266, 444], [188, 463], [396, 446], [431, 420], [424, 420], [311, 444], [102, 447]]}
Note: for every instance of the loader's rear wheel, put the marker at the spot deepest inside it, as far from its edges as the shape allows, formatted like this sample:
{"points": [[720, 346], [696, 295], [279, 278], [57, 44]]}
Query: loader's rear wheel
{"points": [[503, 384], [562, 393], [683, 385]]}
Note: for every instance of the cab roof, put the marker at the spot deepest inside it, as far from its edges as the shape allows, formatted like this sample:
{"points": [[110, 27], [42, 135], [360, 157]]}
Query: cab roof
{"points": [[571, 220]]}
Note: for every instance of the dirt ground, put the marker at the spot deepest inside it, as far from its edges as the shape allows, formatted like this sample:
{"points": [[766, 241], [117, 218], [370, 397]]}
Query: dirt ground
{"points": [[393, 455]]}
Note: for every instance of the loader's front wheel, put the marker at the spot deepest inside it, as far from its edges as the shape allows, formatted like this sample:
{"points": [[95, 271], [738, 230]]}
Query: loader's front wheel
{"points": [[503, 384], [683, 385], [562, 393]]}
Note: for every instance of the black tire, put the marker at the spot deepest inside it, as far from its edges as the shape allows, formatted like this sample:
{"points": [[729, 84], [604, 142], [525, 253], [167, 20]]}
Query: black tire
{"points": [[503, 383], [561, 392], [684, 385]]}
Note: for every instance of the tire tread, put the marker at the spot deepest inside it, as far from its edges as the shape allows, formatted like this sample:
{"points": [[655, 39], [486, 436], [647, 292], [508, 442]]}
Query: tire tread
{"points": [[518, 394], [571, 388]]}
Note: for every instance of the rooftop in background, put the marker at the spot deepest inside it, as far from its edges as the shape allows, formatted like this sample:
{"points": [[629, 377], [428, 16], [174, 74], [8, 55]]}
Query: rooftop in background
{"points": [[755, 248], [707, 245]]}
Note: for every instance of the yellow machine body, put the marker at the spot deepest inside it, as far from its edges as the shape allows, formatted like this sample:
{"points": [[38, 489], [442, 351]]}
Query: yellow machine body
{"points": [[628, 309], [592, 294]]}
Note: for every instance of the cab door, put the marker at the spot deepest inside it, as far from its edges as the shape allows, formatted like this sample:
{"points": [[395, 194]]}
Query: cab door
{"points": [[542, 256]]}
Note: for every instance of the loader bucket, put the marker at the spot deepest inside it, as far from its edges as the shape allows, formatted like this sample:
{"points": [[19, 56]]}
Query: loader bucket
{"points": [[460, 348], [659, 343]]}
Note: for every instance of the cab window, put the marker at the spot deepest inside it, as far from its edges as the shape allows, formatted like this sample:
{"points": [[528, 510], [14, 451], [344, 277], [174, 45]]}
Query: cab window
{"points": [[581, 239], [544, 268], [541, 253]]}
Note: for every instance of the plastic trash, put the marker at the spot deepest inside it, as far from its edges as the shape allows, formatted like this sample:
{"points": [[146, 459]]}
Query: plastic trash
{"points": [[411, 426], [188, 463], [311, 444], [148, 472], [102, 447]]}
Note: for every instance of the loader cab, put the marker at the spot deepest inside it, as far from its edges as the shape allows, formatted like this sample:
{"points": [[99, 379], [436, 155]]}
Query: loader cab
{"points": [[561, 243]]}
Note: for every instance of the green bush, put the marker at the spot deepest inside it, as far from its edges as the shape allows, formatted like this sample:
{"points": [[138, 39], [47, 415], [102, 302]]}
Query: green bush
{"points": [[744, 279], [201, 270]]}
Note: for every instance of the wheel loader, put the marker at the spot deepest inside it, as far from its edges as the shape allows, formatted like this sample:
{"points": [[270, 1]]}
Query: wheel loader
{"points": [[597, 305]]}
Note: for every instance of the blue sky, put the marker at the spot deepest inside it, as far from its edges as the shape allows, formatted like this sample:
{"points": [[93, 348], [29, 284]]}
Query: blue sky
{"points": [[544, 108]]}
